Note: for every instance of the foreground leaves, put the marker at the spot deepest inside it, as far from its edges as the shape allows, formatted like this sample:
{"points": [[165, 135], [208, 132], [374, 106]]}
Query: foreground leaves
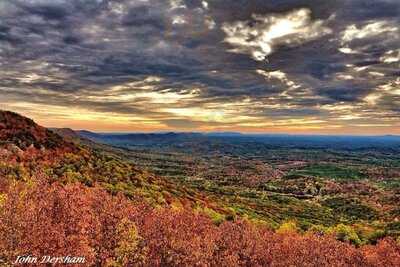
{"points": [[54, 219]]}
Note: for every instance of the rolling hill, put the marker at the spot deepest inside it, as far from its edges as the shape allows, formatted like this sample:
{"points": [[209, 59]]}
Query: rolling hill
{"points": [[24, 132]]}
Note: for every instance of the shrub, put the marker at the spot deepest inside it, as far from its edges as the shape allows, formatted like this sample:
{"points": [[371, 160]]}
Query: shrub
{"points": [[288, 227], [345, 233]]}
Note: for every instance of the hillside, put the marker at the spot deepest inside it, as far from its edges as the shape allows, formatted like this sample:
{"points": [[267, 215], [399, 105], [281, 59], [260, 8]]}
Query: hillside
{"points": [[28, 150], [67, 133], [23, 132]]}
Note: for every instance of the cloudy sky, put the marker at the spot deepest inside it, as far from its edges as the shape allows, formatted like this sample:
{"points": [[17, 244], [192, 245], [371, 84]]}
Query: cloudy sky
{"points": [[278, 66]]}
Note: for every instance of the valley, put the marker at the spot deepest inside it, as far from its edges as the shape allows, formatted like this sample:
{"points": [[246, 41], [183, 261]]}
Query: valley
{"points": [[316, 181]]}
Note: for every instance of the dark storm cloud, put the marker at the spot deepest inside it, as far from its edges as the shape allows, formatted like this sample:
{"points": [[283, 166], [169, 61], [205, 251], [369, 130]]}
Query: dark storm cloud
{"points": [[71, 52], [345, 94], [48, 12], [361, 10]]}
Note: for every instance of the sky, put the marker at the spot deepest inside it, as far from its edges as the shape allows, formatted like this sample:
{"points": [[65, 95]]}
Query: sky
{"points": [[277, 66]]}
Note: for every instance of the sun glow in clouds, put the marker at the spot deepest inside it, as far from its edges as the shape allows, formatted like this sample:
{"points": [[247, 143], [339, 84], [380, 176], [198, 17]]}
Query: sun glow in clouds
{"points": [[260, 38]]}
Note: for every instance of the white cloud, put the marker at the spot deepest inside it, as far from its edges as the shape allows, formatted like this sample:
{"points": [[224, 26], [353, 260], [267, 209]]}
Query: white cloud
{"points": [[372, 98], [391, 56], [376, 74], [371, 29], [273, 74], [282, 78], [177, 4], [205, 4], [260, 39], [390, 89], [359, 69], [342, 76], [178, 20], [210, 23], [347, 50], [360, 39]]}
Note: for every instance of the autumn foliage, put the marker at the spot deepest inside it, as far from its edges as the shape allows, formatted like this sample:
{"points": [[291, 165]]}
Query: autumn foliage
{"points": [[40, 218], [61, 199], [24, 132]]}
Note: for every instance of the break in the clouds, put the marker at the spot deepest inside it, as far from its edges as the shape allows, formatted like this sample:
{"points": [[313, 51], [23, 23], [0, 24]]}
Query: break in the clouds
{"points": [[306, 66], [262, 34]]}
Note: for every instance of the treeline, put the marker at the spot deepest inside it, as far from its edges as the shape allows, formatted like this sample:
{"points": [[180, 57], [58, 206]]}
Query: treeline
{"points": [[41, 218]]}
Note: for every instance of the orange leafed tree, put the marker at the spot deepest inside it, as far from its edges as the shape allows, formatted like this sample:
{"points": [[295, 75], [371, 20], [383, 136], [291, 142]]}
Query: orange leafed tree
{"points": [[54, 219]]}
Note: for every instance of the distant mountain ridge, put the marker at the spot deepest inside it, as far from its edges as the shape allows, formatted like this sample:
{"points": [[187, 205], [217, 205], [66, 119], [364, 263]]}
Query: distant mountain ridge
{"points": [[228, 134], [138, 136], [227, 140], [223, 134], [67, 133]]}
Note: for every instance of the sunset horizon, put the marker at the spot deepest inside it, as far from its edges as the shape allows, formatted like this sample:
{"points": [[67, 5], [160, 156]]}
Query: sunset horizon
{"points": [[99, 125]]}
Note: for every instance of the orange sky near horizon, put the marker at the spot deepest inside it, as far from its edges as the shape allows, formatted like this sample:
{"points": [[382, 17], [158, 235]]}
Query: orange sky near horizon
{"points": [[105, 122]]}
